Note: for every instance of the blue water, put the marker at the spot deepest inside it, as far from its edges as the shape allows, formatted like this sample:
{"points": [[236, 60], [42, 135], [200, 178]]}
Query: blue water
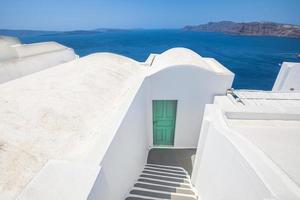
{"points": [[254, 60]]}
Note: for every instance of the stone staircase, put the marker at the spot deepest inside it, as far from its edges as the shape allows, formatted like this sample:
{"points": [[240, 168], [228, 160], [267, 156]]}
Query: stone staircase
{"points": [[161, 182]]}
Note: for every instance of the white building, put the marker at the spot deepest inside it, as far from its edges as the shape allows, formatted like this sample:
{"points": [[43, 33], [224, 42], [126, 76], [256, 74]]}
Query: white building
{"points": [[108, 127]]}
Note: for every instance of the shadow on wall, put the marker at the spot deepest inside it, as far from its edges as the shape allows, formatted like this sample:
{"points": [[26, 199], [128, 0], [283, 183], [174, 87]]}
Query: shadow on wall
{"points": [[175, 157]]}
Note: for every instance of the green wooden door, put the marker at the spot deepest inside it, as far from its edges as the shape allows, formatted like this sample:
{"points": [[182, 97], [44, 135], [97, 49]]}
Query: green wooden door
{"points": [[164, 120]]}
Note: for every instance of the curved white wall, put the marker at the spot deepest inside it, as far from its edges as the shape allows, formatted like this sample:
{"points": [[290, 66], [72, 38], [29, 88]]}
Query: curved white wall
{"points": [[193, 87]]}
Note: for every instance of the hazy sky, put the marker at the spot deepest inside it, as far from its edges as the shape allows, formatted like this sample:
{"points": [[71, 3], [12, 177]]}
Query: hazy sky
{"points": [[90, 14]]}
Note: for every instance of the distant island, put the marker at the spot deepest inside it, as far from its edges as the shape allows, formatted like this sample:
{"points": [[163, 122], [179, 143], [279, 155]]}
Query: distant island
{"points": [[250, 29], [33, 33], [21, 33], [228, 27]]}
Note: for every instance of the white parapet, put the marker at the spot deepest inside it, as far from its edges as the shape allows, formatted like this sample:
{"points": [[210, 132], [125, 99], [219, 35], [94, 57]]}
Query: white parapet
{"points": [[248, 152], [6, 50], [18, 60], [288, 79], [62, 180]]}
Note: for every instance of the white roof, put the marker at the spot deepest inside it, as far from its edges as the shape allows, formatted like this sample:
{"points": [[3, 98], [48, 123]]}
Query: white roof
{"points": [[57, 113], [184, 56]]}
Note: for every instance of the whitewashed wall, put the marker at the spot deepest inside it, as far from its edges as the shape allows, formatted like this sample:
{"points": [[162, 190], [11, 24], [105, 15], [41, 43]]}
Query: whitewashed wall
{"points": [[220, 172], [126, 155], [225, 174], [288, 79], [228, 166], [193, 87], [61, 179]]}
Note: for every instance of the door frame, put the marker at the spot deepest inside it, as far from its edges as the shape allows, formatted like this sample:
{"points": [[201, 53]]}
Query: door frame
{"points": [[152, 127]]}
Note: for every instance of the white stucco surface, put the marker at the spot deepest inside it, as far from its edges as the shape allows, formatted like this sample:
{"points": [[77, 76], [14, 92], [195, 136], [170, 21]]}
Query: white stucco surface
{"points": [[50, 183], [279, 139], [248, 151], [25, 50], [90, 109], [249, 145], [57, 114], [16, 68], [288, 78], [266, 98], [184, 56], [183, 75], [17, 60], [193, 88], [6, 50], [8, 40], [95, 113], [220, 171], [127, 154]]}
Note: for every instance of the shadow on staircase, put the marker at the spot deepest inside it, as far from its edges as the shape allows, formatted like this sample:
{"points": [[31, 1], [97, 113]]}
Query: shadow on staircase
{"points": [[173, 157], [165, 176]]}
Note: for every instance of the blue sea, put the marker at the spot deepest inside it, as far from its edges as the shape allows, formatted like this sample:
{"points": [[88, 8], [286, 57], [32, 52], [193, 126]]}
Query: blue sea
{"points": [[254, 60]]}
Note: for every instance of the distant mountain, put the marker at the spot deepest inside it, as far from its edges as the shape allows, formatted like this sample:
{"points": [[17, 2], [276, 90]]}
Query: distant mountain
{"points": [[22, 33], [77, 32], [251, 28]]}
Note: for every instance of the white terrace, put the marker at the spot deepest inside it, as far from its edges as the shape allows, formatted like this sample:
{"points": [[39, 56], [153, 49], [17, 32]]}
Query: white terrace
{"points": [[108, 127]]}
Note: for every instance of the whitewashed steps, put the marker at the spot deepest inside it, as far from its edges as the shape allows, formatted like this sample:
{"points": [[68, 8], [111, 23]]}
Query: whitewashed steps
{"points": [[161, 182], [173, 168], [164, 188], [170, 174], [165, 178], [165, 170]]}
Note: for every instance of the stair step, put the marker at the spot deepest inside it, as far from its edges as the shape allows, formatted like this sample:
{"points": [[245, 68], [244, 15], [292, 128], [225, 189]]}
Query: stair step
{"points": [[165, 170], [166, 178], [166, 167], [164, 188], [164, 183], [164, 174], [164, 195], [139, 197]]}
